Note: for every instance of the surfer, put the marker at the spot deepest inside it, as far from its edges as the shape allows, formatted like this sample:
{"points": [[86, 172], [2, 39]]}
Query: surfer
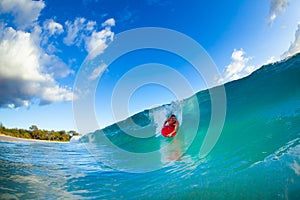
{"points": [[170, 126]]}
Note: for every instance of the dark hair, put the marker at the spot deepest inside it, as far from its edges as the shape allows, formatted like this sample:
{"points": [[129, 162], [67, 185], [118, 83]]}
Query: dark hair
{"points": [[172, 115]]}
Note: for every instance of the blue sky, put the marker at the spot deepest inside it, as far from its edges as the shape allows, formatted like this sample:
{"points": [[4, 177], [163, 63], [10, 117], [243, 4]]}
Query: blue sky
{"points": [[44, 43]]}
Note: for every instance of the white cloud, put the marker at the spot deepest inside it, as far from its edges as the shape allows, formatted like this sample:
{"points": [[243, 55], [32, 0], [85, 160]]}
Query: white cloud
{"points": [[91, 25], [23, 75], [53, 27], [97, 42], [85, 31], [238, 67], [73, 31], [55, 66], [25, 12], [97, 71], [295, 46], [109, 22], [46, 36], [276, 8]]}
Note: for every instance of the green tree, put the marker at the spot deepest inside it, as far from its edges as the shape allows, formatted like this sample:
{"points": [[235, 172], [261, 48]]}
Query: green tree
{"points": [[2, 128], [33, 128], [34, 131], [73, 133]]}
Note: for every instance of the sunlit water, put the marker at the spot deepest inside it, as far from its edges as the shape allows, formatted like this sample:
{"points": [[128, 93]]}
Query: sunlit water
{"points": [[69, 171]]}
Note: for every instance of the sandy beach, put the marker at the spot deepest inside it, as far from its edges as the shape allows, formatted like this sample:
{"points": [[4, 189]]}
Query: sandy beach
{"points": [[8, 138]]}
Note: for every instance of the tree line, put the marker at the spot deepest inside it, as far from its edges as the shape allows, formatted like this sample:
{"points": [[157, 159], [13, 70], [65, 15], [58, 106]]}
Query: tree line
{"points": [[35, 133]]}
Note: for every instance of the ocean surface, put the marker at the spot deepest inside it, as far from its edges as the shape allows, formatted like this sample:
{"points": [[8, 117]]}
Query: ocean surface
{"points": [[256, 156]]}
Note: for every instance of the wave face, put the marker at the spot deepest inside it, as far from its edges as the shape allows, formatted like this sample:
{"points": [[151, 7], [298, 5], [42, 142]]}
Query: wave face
{"points": [[256, 156]]}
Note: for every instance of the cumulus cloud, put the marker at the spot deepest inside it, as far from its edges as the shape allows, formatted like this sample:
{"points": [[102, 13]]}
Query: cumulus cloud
{"points": [[53, 27], [238, 67], [276, 8], [47, 35], [74, 30], [25, 12], [91, 25], [29, 66], [98, 41], [295, 46], [81, 30], [42, 39], [55, 66], [98, 71], [23, 75], [109, 22]]}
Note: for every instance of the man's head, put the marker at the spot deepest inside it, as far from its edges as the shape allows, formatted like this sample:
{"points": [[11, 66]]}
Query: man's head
{"points": [[173, 117]]}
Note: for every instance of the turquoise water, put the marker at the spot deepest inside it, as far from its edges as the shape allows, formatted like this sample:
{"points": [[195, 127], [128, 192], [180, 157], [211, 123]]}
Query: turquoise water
{"points": [[257, 155]]}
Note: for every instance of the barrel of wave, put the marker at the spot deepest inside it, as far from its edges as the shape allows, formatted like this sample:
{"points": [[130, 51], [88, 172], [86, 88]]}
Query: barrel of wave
{"points": [[160, 114]]}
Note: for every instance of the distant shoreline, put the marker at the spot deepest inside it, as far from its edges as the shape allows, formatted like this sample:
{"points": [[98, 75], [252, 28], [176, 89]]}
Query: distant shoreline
{"points": [[8, 138]]}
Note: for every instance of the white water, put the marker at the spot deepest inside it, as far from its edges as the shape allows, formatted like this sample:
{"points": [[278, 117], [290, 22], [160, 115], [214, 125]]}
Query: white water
{"points": [[160, 114]]}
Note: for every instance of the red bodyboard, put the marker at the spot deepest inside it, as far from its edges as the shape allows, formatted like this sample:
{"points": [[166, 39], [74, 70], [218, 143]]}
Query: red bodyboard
{"points": [[167, 130]]}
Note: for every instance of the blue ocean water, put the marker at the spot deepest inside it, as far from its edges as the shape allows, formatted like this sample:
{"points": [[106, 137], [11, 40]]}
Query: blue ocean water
{"points": [[257, 155]]}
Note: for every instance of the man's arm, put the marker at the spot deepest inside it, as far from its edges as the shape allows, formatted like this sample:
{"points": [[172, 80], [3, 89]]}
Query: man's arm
{"points": [[175, 130], [165, 122], [176, 127]]}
